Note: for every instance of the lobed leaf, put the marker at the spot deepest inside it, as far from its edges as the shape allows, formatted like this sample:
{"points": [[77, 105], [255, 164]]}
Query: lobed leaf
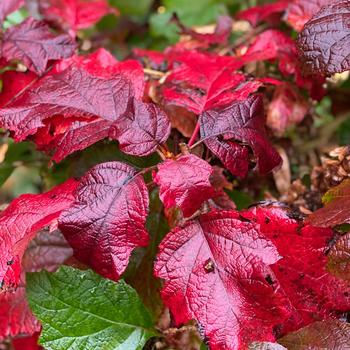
{"points": [[21, 220], [107, 219], [66, 115], [242, 275], [33, 43], [214, 270], [302, 271], [243, 121], [203, 81], [184, 183]]}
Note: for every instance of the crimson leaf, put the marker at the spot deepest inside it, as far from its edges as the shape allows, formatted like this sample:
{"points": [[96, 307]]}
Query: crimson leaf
{"points": [[257, 14], [107, 220], [214, 270], [13, 83], [300, 11], [184, 183], [71, 116], [242, 274], [15, 315], [243, 121], [74, 14], [20, 221], [273, 44], [63, 136], [27, 343], [68, 93], [142, 128], [324, 42], [203, 81], [302, 271], [46, 251], [33, 43]]}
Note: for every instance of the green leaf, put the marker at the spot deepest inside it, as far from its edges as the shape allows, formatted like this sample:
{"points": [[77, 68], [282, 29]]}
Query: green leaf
{"points": [[80, 310], [191, 13], [17, 152], [137, 8], [15, 18], [343, 133]]}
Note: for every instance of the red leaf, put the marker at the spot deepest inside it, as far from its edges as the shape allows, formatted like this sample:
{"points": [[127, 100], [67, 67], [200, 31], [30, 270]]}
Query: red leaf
{"points": [[20, 221], [9, 6], [74, 14], [240, 275], [14, 82], [243, 121], [48, 250], [184, 183], [234, 157], [107, 220], [63, 136], [203, 81], [255, 15], [301, 275], [300, 11], [336, 211], [67, 92], [273, 44], [27, 343], [287, 108], [15, 315], [214, 270], [33, 43], [324, 42], [142, 128]]}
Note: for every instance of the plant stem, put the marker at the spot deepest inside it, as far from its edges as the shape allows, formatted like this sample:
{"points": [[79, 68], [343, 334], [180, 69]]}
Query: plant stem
{"points": [[194, 134]]}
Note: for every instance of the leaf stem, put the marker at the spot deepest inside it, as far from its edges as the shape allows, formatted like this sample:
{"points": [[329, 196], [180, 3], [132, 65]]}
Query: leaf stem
{"points": [[153, 72], [194, 134]]}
